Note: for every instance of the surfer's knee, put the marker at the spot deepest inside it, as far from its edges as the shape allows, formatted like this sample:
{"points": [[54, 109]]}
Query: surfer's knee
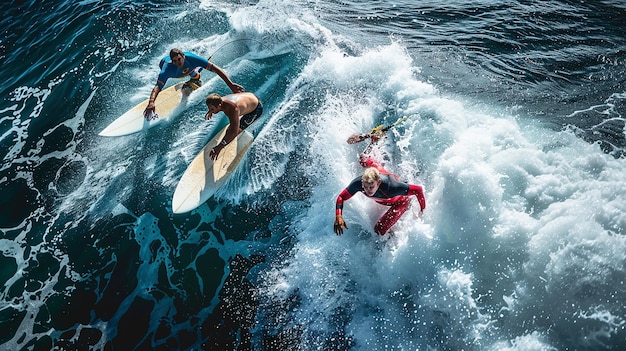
{"points": [[186, 91], [191, 85]]}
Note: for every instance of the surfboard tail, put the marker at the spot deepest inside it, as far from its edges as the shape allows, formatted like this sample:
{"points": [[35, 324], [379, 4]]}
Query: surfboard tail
{"points": [[204, 176]]}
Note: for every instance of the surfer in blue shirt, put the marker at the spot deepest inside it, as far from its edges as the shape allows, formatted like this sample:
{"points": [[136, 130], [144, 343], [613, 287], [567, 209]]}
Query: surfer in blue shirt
{"points": [[241, 109], [182, 64]]}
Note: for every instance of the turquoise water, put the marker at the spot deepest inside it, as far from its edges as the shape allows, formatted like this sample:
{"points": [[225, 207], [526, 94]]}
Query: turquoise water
{"points": [[515, 129]]}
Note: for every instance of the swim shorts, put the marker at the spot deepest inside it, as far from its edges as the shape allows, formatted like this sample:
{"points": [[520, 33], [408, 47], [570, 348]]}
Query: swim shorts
{"points": [[246, 120], [192, 84]]}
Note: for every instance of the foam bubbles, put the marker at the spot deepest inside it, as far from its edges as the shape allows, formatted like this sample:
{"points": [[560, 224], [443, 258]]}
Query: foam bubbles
{"points": [[517, 243]]}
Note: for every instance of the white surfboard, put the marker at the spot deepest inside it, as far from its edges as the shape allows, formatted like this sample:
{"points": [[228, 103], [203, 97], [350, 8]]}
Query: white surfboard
{"points": [[204, 176], [133, 120]]}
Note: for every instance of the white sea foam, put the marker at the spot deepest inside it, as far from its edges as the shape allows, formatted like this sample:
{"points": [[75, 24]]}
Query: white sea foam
{"points": [[518, 216], [521, 246]]}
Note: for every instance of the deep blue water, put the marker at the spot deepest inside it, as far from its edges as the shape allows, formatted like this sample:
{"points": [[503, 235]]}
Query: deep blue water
{"points": [[515, 129]]}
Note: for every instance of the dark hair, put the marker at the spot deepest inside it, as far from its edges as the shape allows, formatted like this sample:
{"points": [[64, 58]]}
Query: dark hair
{"points": [[175, 52]]}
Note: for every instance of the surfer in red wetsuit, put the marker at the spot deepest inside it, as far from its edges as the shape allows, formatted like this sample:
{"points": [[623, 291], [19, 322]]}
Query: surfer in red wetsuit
{"points": [[383, 187]]}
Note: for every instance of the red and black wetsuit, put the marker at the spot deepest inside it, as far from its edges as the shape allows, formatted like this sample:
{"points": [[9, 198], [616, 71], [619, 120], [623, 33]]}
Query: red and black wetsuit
{"points": [[391, 192]]}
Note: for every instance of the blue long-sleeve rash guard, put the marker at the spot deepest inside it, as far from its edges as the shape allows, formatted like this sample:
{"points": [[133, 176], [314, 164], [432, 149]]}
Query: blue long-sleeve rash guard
{"points": [[192, 62]]}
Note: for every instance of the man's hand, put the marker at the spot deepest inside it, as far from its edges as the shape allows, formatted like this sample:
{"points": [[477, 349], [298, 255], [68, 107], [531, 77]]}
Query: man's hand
{"points": [[340, 224], [236, 88], [150, 112], [215, 151]]}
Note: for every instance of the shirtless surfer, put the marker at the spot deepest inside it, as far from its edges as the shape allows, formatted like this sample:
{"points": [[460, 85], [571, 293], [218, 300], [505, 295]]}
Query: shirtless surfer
{"points": [[241, 109]]}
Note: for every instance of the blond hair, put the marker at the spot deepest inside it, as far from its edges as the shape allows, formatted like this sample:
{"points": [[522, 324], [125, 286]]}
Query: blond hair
{"points": [[213, 99], [370, 176]]}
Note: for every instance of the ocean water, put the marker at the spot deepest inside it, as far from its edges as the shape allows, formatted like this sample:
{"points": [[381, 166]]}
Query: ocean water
{"points": [[515, 127]]}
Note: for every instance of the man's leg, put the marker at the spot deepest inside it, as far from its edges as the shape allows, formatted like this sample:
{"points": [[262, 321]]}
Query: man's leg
{"points": [[246, 120], [190, 86], [392, 216]]}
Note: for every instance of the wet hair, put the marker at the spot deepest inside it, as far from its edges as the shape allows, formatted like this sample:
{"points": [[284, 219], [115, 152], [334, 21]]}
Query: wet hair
{"points": [[213, 99], [175, 52], [370, 176]]}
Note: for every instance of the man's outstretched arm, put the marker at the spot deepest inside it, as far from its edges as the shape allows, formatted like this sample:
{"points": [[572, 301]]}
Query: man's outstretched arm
{"points": [[236, 88], [340, 224]]}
